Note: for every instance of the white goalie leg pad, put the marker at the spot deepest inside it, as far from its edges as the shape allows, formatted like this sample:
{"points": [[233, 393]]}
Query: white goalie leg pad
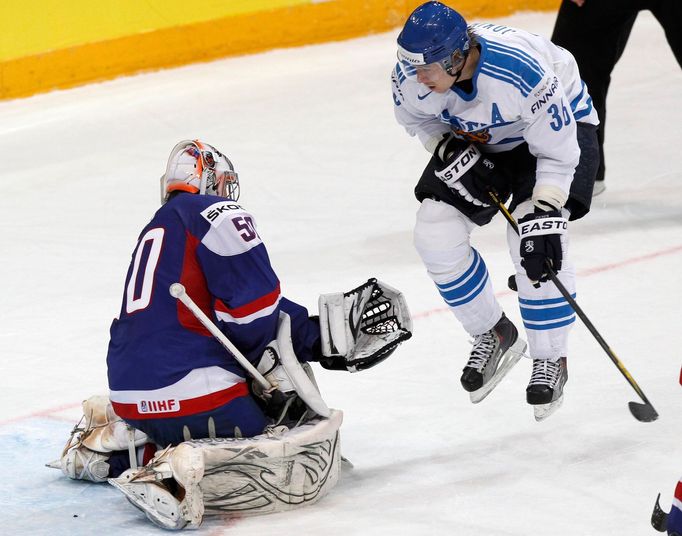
{"points": [[83, 457], [144, 488], [365, 325], [98, 433], [276, 471], [104, 430], [84, 464]]}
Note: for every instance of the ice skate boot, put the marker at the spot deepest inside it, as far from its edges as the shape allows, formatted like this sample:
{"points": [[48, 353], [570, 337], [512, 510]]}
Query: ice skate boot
{"points": [[494, 353], [545, 392]]}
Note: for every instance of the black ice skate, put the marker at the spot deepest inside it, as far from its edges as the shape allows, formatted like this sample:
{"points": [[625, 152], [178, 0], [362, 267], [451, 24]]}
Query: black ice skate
{"points": [[493, 355], [545, 392]]}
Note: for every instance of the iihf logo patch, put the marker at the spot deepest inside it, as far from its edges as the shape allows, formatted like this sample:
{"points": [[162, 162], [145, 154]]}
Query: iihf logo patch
{"points": [[170, 405]]}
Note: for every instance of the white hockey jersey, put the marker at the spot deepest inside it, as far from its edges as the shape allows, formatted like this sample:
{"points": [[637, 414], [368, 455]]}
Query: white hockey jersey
{"points": [[525, 89]]}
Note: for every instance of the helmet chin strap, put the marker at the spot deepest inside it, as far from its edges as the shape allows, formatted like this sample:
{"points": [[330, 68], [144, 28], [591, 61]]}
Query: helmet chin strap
{"points": [[459, 73]]}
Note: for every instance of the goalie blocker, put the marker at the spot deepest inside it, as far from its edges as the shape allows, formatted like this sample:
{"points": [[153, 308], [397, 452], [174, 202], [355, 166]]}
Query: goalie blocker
{"points": [[362, 327]]}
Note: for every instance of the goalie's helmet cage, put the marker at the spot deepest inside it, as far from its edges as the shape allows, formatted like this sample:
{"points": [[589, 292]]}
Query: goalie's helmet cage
{"points": [[199, 168], [434, 33]]}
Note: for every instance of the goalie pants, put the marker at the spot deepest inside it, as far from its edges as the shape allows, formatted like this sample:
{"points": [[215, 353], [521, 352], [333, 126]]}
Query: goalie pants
{"points": [[442, 239], [242, 412]]}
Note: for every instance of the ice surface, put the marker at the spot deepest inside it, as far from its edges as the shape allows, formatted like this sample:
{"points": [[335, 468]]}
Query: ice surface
{"points": [[329, 176]]}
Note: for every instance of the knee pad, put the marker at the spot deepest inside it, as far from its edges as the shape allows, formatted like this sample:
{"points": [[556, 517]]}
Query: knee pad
{"points": [[441, 237]]}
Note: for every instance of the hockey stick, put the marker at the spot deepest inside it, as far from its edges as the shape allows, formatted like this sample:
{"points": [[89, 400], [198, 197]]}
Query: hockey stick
{"points": [[659, 518], [177, 290], [642, 412]]}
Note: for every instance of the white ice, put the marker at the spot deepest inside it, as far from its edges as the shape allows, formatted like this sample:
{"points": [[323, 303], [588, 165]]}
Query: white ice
{"points": [[329, 176]]}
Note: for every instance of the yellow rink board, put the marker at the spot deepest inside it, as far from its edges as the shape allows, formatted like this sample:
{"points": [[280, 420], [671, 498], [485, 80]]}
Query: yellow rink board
{"points": [[50, 44]]}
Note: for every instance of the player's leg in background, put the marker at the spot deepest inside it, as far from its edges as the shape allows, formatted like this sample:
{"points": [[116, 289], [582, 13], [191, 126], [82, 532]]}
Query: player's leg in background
{"points": [[669, 15], [580, 198], [596, 34]]}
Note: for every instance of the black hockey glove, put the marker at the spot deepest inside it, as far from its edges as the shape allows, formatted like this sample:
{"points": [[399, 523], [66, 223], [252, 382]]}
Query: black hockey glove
{"points": [[540, 234], [467, 171]]}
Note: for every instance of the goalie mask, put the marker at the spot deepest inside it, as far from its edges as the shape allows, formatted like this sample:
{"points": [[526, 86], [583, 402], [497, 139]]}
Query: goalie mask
{"points": [[199, 168]]}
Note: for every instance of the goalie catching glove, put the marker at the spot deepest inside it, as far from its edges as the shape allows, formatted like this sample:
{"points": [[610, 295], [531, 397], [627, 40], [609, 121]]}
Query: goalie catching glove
{"points": [[362, 327]]}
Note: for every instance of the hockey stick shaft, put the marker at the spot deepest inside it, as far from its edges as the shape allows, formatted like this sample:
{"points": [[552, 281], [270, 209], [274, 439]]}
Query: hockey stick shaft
{"points": [[578, 310], [177, 290]]}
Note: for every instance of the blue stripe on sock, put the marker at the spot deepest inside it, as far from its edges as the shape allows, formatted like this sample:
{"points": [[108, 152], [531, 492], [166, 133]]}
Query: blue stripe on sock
{"points": [[547, 301], [542, 327], [466, 287], [546, 313]]}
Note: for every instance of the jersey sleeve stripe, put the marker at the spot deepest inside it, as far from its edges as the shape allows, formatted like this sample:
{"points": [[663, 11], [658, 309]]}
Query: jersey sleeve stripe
{"points": [[587, 111], [520, 55], [579, 97], [248, 312], [511, 65], [579, 111], [504, 76]]}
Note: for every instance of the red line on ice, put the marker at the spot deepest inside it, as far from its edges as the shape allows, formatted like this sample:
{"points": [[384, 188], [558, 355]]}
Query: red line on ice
{"points": [[583, 273], [423, 314], [41, 413]]}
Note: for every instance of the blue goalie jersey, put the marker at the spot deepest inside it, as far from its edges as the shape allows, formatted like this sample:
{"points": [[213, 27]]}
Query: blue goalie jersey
{"points": [[161, 361]]}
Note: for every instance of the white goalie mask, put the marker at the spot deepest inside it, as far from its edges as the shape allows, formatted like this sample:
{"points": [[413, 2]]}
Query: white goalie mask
{"points": [[199, 168]]}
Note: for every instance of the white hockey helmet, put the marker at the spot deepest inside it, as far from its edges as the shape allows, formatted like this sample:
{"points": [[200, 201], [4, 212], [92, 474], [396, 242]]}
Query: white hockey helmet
{"points": [[199, 168]]}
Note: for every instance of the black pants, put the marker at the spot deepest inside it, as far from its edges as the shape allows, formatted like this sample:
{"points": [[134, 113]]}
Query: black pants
{"points": [[596, 35], [518, 169]]}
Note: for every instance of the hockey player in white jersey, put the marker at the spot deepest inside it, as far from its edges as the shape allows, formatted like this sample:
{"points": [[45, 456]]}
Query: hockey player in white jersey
{"points": [[504, 111]]}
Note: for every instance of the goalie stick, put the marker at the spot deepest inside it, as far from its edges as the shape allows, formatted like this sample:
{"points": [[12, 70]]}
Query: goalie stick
{"points": [[642, 412], [177, 290], [304, 387]]}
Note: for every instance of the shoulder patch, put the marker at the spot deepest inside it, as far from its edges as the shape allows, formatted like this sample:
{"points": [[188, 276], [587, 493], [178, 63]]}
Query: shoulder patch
{"points": [[217, 212]]}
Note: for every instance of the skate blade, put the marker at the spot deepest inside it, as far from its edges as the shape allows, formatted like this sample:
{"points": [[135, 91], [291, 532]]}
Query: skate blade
{"points": [[57, 464], [542, 411], [346, 464], [508, 360]]}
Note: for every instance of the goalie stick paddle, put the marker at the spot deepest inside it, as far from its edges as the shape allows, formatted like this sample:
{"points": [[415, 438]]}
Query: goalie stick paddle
{"points": [[643, 412]]}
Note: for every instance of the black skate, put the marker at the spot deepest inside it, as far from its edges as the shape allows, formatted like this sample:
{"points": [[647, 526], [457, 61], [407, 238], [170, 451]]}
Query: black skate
{"points": [[545, 392], [494, 353]]}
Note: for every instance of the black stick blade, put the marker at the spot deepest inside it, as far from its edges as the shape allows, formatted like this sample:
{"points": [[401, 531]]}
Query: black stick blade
{"points": [[643, 412], [659, 519], [511, 283]]}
